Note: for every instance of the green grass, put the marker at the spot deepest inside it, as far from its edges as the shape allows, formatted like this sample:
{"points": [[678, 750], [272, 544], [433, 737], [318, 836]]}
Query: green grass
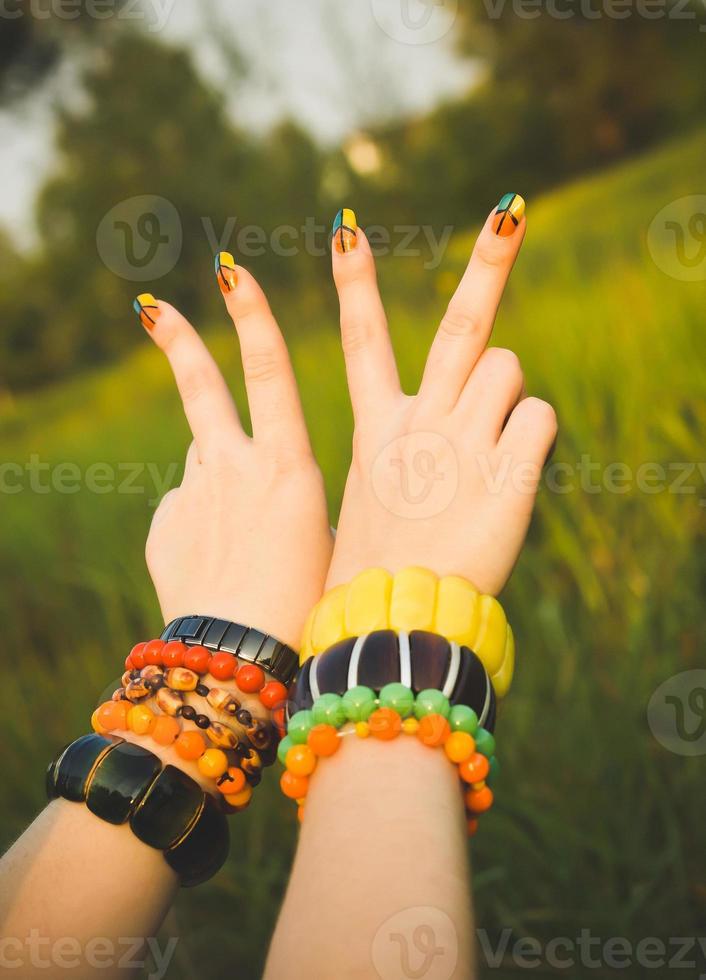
{"points": [[596, 825]]}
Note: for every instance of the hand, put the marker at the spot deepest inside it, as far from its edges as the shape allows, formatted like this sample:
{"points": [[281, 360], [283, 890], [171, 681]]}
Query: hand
{"points": [[246, 536], [446, 478]]}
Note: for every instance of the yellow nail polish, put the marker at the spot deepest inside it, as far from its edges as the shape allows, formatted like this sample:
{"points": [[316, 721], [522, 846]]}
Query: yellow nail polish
{"points": [[345, 228], [225, 272], [146, 308], [508, 214]]}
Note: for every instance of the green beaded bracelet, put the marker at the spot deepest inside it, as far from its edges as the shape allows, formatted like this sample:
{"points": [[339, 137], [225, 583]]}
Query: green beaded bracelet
{"points": [[121, 782]]}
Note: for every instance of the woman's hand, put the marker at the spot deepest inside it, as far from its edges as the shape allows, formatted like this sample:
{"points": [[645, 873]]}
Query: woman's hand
{"points": [[246, 536], [446, 478]]}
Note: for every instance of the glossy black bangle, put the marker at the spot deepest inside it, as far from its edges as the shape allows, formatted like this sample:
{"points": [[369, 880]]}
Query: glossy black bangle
{"points": [[278, 659], [166, 809], [419, 660]]}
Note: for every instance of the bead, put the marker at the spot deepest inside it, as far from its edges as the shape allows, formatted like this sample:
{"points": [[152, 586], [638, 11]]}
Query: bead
{"points": [[433, 730], [463, 719], [367, 601], [202, 690], [154, 683], [181, 679], [137, 690], [329, 710], [96, 725], [166, 730], [118, 695], [385, 724], [239, 800], [323, 740], [202, 721], [151, 670], [475, 769], [213, 763], [251, 763], [198, 659], [188, 711], [170, 702], [300, 760], [413, 600], [128, 662], [431, 702], [232, 781], [485, 743], [284, 747], [410, 726], [140, 719], [472, 826], [153, 652], [362, 729], [243, 716], [250, 678], [190, 745], [459, 746], [359, 703], [137, 655], [491, 639], [173, 653], [398, 697], [456, 613], [502, 678], [279, 720], [222, 700], [221, 736], [273, 694], [222, 666], [299, 726], [494, 770], [112, 716], [479, 800], [295, 787]]}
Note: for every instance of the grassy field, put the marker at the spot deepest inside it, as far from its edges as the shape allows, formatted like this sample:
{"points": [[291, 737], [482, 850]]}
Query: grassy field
{"points": [[597, 826]]}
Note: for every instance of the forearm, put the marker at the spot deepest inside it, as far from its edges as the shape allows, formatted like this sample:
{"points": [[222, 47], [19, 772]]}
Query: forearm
{"points": [[74, 883], [381, 871]]}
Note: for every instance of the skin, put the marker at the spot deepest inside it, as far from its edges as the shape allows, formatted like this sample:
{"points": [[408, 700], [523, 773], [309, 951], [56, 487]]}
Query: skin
{"points": [[246, 537], [383, 840]]}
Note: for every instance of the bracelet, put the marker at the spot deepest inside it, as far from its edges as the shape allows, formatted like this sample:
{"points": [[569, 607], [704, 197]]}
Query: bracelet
{"points": [[121, 782], [316, 733], [417, 660], [415, 599], [278, 659]]}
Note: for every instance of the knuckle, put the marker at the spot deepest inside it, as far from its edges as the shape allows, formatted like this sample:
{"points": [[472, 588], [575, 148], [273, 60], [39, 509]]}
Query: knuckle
{"points": [[195, 382], [355, 336], [459, 322], [261, 366], [491, 252], [543, 415], [504, 362]]}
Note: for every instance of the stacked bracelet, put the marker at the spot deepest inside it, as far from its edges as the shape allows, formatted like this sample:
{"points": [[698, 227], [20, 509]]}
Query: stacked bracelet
{"points": [[124, 783], [415, 599], [243, 642], [417, 660], [316, 733]]}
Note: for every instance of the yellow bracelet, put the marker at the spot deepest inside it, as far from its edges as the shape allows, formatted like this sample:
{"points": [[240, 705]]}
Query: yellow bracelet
{"points": [[415, 599]]}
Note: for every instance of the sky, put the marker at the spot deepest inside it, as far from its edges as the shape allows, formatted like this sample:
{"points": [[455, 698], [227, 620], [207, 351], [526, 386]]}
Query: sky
{"points": [[334, 67]]}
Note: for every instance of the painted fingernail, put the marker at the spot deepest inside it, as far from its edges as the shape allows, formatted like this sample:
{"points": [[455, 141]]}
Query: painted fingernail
{"points": [[225, 272], [146, 308], [345, 231], [508, 214]]}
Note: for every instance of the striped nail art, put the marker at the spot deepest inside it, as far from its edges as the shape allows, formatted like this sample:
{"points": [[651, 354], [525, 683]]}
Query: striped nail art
{"points": [[508, 214], [345, 229], [146, 308], [225, 272]]}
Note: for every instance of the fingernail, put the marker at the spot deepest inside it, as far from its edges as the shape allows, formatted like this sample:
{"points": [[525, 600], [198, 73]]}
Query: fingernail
{"points": [[146, 308], [225, 272], [345, 231], [508, 214]]}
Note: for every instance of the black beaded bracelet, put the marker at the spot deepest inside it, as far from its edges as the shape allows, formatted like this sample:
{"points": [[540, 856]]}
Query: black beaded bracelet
{"points": [[121, 782], [248, 644], [419, 660]]}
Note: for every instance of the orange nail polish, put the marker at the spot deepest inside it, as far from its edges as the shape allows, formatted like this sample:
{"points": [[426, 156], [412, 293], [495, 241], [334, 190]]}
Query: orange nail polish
{"points": [[225, 272], [146, 308]]}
